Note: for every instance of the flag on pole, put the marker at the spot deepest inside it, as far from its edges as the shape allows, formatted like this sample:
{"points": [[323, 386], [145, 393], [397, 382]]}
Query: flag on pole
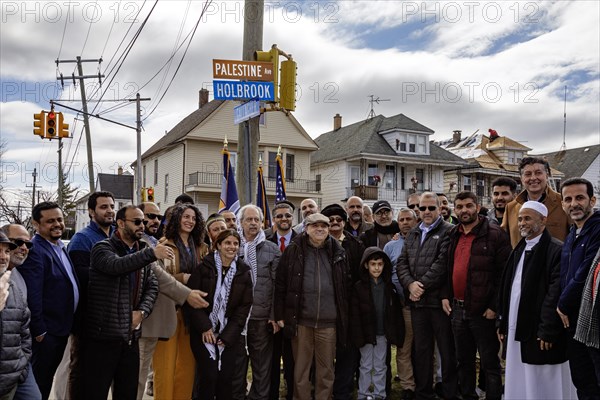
{"points": [[229, 199], [280, 178], [261, 197]]}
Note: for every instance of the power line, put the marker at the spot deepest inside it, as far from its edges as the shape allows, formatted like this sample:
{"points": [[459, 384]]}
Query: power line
{"points": [[182, 58], [64, 31], [89, 30]]}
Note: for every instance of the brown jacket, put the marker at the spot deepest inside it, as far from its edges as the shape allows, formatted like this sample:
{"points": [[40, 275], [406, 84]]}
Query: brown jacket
{"points": [[557, 224]]}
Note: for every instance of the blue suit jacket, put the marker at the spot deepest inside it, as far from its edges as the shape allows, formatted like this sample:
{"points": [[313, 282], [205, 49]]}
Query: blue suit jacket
{"points": [[49, 290]]}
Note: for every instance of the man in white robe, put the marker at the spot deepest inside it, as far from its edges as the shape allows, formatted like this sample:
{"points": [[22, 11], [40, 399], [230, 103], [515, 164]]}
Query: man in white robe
{"points": [[535, 342]]}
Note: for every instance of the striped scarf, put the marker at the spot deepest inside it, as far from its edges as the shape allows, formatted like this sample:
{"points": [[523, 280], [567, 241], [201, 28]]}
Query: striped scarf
{"points": [[217, 315], [588, 324]]}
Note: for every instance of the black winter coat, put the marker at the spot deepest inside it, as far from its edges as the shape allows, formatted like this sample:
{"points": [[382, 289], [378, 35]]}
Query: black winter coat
{"points": [[489, 252], [425, 262], [369, 238], [238, 304], [354, 252], [290, 277], [109, 293], [15, 340], [362, 310], [540, 290]]}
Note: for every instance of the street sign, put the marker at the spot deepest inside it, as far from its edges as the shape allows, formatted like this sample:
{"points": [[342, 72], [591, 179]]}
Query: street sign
{"points": [[235, 90], [245, 111], [243, 70]]}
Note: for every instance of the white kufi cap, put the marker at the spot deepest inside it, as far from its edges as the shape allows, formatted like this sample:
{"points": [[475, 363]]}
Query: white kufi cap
{"points": [[537, 206]]}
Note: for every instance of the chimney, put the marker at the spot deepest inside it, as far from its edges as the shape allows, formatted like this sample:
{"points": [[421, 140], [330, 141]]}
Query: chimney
{"points": [[120, 170], [456, 136], [203, 97], [337, 122]]}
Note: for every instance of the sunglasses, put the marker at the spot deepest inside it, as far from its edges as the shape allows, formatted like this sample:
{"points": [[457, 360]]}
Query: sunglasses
{"points": [[154, 216], [411, 206], [279, 216], [335, 219], [21, 242], [136, 222], [430, 208]]}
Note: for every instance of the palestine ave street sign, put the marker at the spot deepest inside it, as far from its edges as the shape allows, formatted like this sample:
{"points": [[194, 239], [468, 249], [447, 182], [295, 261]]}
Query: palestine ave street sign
{"points": [[243, 70], [245, 111], [236, 90]]}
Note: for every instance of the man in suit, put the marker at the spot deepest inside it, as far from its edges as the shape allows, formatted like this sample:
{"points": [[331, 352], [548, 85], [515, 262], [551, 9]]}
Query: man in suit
{"points": [[52, 293], [282, 234]]}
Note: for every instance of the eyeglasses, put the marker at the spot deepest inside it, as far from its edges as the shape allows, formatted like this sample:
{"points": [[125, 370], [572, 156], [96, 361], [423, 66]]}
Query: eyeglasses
{"points": [[154, 216], [411, 206], [136, 222], [335, 219], [430, 208], [383, 212], [21, 242], [279, 216]]}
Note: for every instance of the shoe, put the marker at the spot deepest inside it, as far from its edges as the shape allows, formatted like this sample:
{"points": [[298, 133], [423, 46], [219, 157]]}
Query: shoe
{"points": [[439, 390], [150, 388], [397, 378], [408, 394]]}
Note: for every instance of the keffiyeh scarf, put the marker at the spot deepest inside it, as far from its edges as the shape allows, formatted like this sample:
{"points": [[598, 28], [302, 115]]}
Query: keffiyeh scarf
{"points": [[588, 324], [217, 315]]}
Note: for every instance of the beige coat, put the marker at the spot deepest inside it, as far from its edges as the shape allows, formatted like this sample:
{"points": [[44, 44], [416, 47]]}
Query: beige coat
{"points": [[557, 223]]}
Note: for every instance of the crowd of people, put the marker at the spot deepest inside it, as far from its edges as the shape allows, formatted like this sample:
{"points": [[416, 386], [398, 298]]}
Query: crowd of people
{"points": [[180, 305]]}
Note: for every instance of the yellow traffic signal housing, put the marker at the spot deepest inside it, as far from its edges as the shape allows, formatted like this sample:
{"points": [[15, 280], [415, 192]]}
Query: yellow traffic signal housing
{"points": [[287, 89], [63, 129], [271, 56], [39, 120], [51, 125], [151, 194], [144, 198]]}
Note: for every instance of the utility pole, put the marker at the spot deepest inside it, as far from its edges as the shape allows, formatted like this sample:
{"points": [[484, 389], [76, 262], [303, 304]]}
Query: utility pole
{"points": [[247, 149], [86, 122], [34, 174], [138, 129], [61, 180]]}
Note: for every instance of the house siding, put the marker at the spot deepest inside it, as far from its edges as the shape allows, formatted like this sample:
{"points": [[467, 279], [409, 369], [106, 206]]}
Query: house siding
{"points": [[592, 174], [334, 180]]}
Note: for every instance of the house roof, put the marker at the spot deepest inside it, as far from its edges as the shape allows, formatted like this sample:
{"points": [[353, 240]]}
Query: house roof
{"points": [[121, 186], [573, 162], [363, 138], [184, 127]]}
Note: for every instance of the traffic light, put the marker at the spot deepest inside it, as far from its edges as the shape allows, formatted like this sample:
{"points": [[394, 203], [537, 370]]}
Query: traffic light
{"points": [[287, 90], [38, 124], [144, 198], [271, 56], [63, 129], [150, 192], [50, 125]]}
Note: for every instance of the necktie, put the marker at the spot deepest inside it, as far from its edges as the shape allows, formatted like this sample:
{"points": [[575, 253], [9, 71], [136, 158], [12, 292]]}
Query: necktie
{"points": [[282, 244]]}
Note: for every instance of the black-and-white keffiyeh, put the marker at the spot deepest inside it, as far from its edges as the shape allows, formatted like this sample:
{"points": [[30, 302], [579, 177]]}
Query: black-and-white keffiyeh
{"points": [[248, 251], [217, 315], [588, 324]]}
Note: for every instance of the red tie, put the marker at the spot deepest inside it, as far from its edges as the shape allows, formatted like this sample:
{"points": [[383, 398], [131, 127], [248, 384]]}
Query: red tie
{"points": [[282, 245]]}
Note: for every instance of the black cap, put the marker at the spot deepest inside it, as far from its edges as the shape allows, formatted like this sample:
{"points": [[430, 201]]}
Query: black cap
{"points": [[335, 209], [288, 203], [381, 205], [4, 239]]}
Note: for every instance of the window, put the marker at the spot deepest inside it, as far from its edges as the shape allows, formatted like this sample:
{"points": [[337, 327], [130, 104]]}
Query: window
{"points": [[156, 172], [289, 167], [166, 187], [272, 165], [421, 144], [389, 178], [467, 183], [402, 139], [144, 176], [402, 178], [233, 161], [420, 175], [372, 173], [318, 183], [511, 157], [354, 176]]}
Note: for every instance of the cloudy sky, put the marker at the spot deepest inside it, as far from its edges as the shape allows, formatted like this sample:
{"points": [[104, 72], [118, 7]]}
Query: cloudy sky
{"points": [[449, 65]]}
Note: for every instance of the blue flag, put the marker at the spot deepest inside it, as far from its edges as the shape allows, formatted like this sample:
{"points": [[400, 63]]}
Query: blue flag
{"points": [[280, 181], [261, 198], [229, 198]]}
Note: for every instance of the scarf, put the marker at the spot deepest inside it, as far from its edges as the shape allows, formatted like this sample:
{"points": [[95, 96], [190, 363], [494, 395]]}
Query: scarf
{"points": [[187, 255], [588, 323], [217, 316], [391, 229], [248, 251]]}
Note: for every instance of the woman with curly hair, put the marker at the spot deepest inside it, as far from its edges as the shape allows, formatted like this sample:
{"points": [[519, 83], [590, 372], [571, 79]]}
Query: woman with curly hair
{"points": [[173, 361]]}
